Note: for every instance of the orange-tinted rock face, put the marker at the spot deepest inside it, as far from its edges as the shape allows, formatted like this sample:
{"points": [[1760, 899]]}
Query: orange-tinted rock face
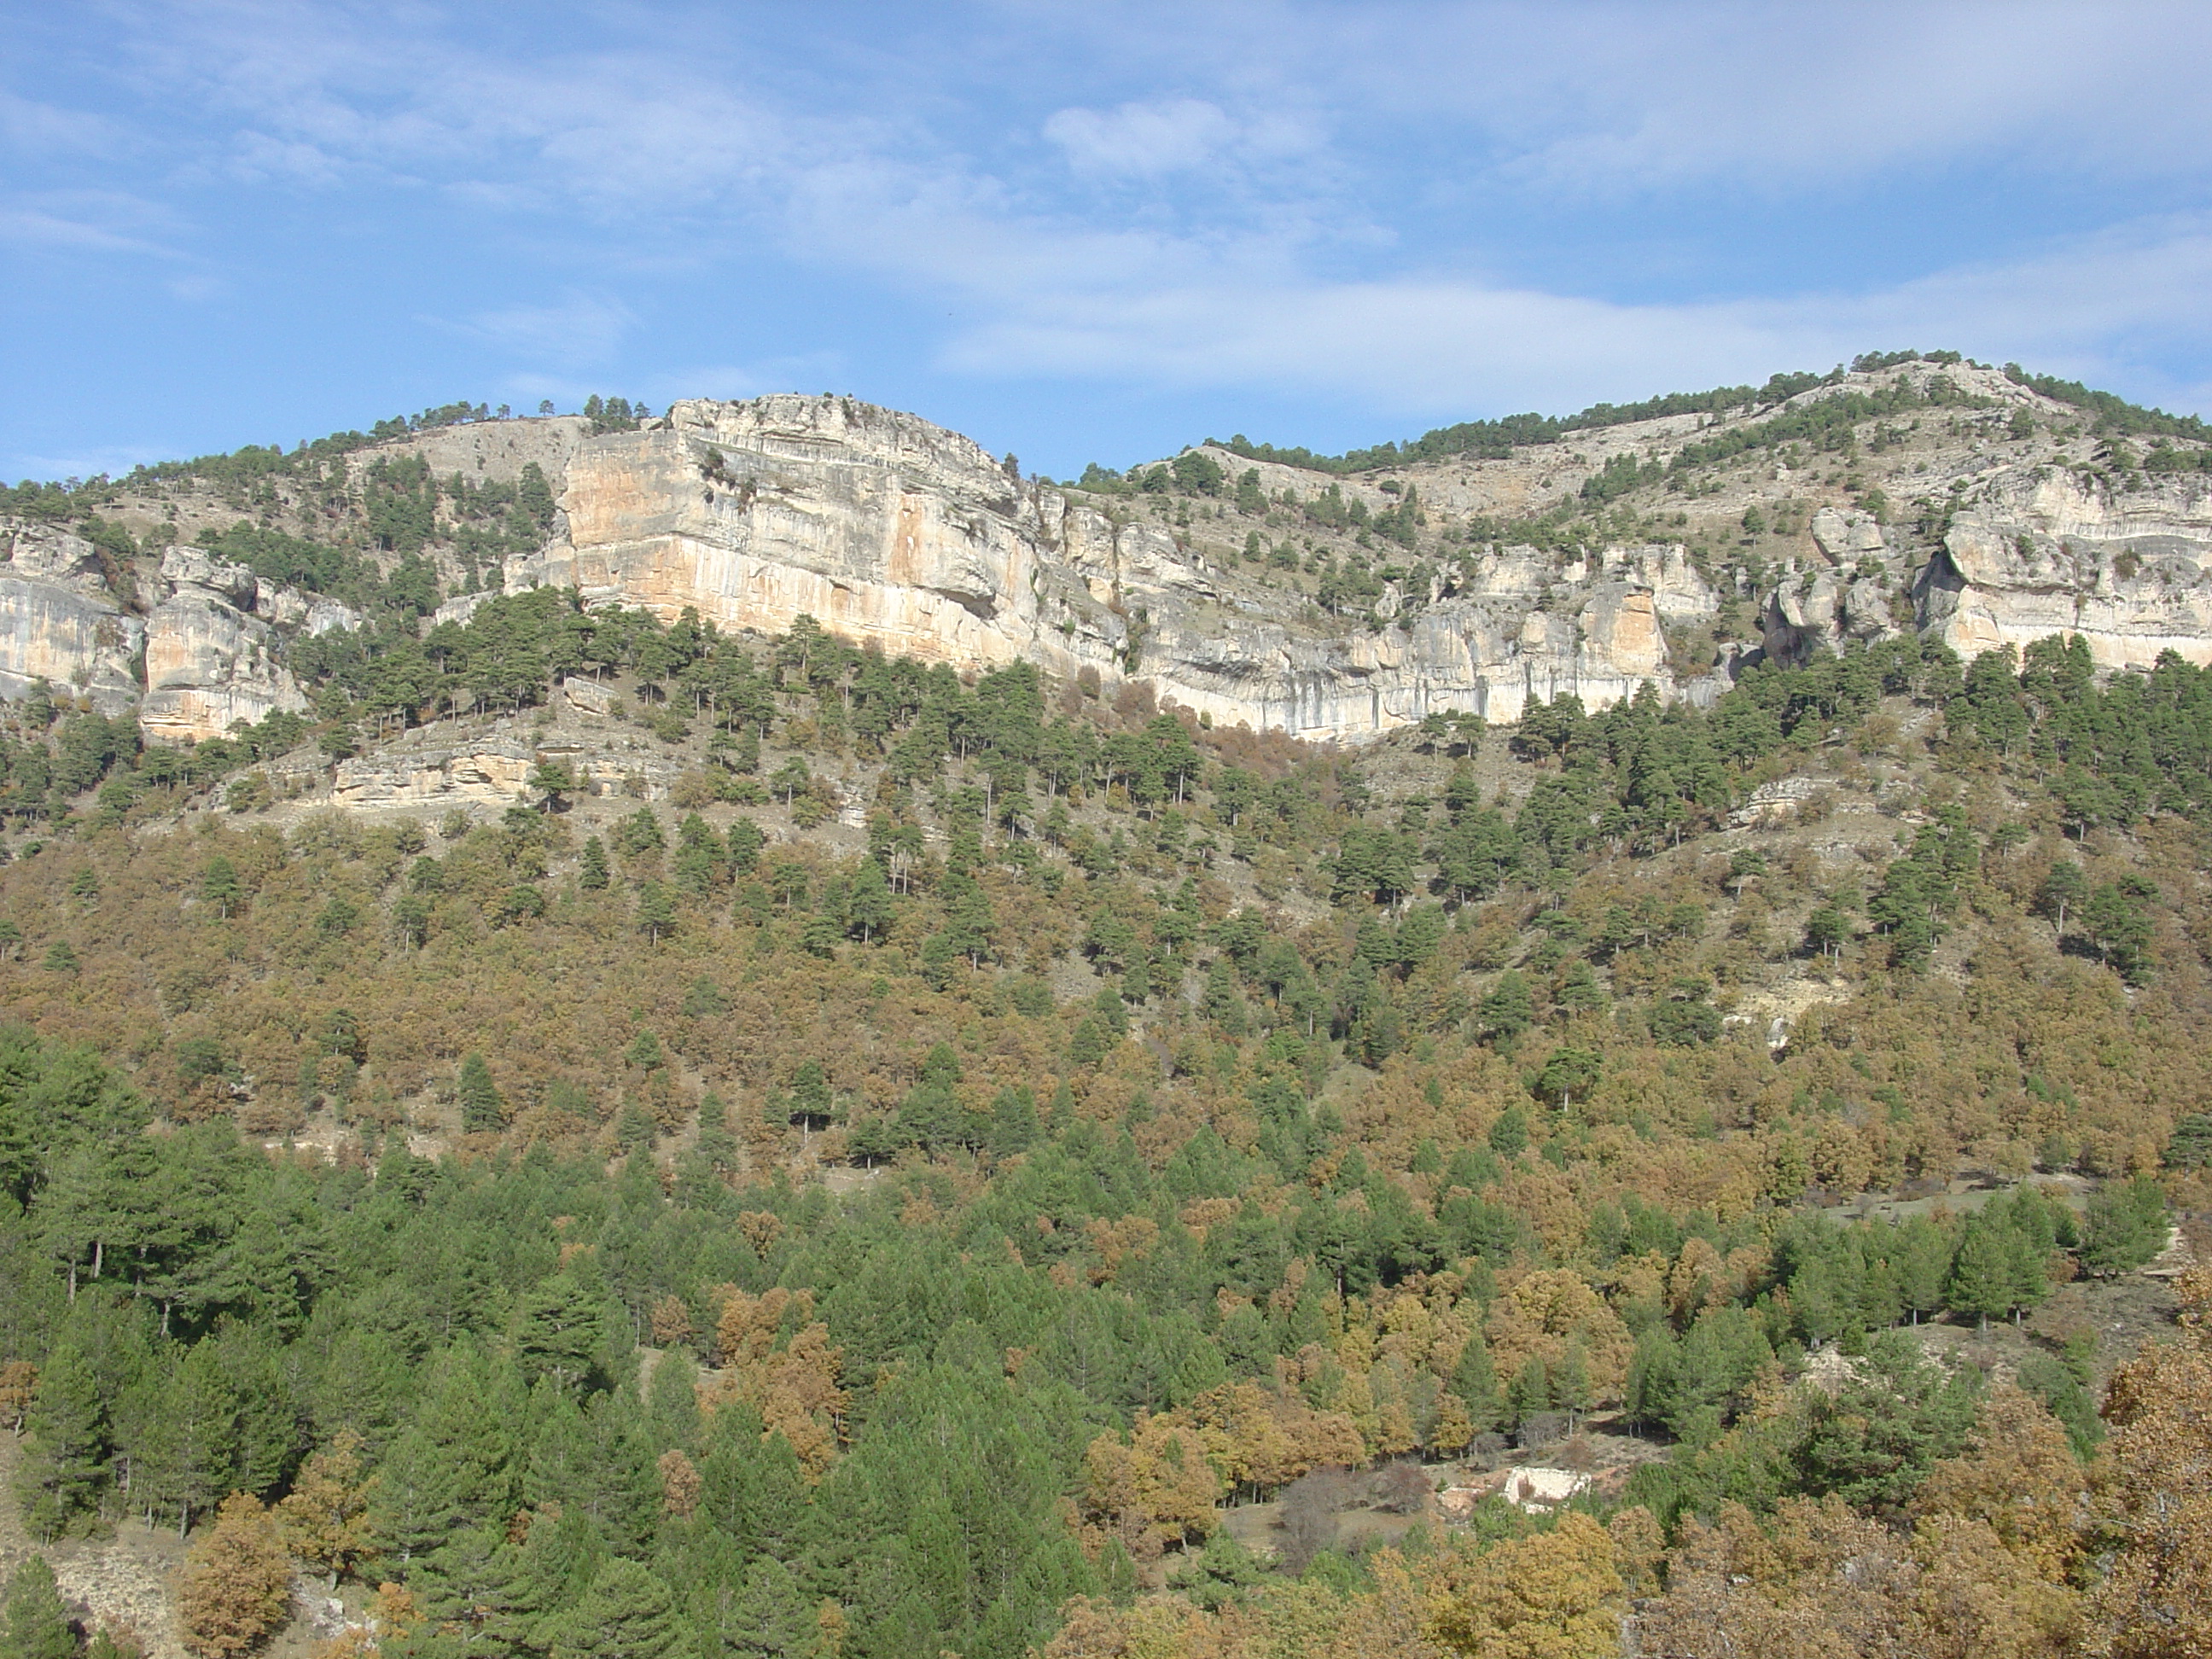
{"points": [[886, 529]]}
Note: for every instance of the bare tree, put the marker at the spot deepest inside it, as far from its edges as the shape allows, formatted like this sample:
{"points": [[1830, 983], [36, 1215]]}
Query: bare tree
{"points": [[1308, 1516]]}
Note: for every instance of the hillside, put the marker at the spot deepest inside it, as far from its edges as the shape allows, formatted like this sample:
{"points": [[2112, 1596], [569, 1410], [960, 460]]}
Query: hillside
{"points": [[1926, 496], [643, 1123]]}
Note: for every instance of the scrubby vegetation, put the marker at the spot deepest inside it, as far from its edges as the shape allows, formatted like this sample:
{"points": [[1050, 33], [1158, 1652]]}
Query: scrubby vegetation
{"points": [[966, 1164], [674, 1232]]}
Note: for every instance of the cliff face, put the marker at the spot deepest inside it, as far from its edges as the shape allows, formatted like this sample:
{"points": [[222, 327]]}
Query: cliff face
{"points": [[209, 659], [208, 653], [885, 528], [59, 624], [889, 530], [2048, 554]]}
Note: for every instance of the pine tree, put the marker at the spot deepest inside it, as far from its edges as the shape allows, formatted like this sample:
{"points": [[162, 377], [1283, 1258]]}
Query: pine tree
{"points": [[594, 872], [868, 905], [64, 1464], [656, 912], [628, 1613], [1474, 1381], [561, 1330], [1570, 1382], [1506, 1009], [455, 1466], [1530, 1391], [34, 1622], [772, 1619], [192, 1452], [1224, 1004], [1981, 1274], [483, 1111], [220, 886]]}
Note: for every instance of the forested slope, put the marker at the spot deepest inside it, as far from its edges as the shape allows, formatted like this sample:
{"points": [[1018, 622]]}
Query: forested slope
{"points": [[926, 1169]]}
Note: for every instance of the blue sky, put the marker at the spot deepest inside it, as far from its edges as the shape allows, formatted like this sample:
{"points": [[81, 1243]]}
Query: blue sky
{"points": [[1075, 231]]}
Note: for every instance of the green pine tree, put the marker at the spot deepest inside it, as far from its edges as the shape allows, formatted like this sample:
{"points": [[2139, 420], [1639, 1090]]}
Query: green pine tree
{"points": [[220, 886], [656, 912], [1530, 1392], [1224, 1003], [34, 1624], [1981, 1282], [64, 1469], [560, 1331], [457, 1464], [868, 905], [483, 1111], [1507, 1009], [1474, 1380], [772, 1618], [628, 1613], [594, 872]]}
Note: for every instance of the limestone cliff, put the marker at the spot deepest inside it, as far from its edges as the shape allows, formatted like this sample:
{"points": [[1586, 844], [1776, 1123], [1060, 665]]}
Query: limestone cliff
{"points": [[59, 624], [211, 661], [887, 529], [2131, 573], [1674, 551]]}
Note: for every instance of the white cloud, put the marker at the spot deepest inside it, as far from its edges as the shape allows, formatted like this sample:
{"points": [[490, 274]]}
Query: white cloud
{"points": [[578, 331], [33, 127], [1142, 139], [90, 221], [1255, 244], [1440, 346]]}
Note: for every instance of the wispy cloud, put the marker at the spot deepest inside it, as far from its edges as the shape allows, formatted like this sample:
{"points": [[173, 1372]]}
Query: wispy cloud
{"points": [[579, 331], [1164, 136], [1251, 193], [96, 221]]}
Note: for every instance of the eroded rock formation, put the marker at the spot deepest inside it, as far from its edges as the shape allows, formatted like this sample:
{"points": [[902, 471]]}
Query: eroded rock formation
{"points": [[886, 529], [889, 530], [2048, 554]]}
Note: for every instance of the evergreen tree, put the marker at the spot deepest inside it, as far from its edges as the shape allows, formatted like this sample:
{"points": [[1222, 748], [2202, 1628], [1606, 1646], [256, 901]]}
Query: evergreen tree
{"points": [[2126, 1226], [64, 1470], [1981, 1282], [594, 872], [2064, 889], [220, 886], [656, 912], [868, 904], [560, 1332], [1530, 1392], [773, 1620], [34, 1622], [1223, 1003], [628, 1613], [483, 1111], [1507, 1009], [457, 1465], [1474, 1380], [2189, 1146]]}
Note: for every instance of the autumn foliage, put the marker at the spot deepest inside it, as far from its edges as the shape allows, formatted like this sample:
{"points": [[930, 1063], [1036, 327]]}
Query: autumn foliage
{"points": [[235, 1588]]}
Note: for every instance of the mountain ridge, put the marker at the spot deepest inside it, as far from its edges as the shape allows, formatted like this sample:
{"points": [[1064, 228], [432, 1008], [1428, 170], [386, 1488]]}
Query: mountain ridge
{"points": [[1910, 493]]}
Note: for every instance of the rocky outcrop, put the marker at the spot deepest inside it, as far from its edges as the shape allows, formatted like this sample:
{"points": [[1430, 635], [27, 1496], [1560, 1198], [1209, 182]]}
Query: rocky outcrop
{"points": [[480, 772], [2046, 553], [210, 660], [477, 769], [891, 531], [885, 528], [59, 624]]}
